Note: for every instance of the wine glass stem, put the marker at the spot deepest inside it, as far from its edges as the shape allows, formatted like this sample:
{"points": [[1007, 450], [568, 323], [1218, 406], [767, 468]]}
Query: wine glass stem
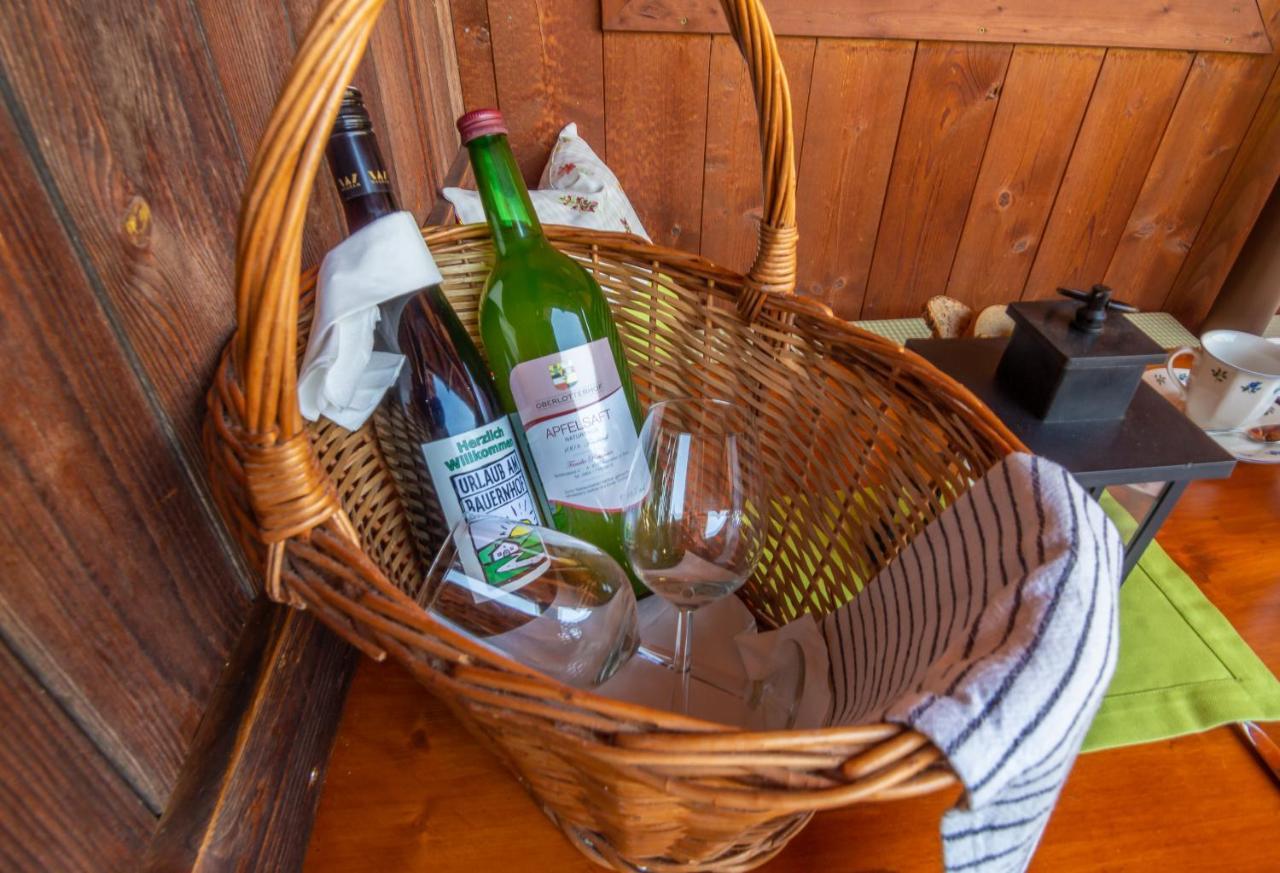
{"points": [[684, 639]]}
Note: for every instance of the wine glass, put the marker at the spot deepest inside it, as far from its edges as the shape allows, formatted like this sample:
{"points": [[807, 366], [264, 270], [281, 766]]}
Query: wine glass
{"points": [[698, 530], [544, 598]]}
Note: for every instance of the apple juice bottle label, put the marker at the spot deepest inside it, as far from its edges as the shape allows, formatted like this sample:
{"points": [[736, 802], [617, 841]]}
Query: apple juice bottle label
{"points": [[578, 426], [479, 474]]}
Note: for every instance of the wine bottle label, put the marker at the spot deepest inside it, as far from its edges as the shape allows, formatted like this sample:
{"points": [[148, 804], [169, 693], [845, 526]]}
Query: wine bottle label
{"points": [[480, 474], [578, 426], [357, 165]]}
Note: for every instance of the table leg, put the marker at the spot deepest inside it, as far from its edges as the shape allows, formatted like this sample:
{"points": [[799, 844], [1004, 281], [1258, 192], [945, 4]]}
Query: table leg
{"points": [[1147, 528]]}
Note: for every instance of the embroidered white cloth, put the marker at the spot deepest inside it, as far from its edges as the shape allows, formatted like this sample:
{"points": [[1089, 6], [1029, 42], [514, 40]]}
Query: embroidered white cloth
{"points": [[577, 189], [342, 377], [994, 634]]}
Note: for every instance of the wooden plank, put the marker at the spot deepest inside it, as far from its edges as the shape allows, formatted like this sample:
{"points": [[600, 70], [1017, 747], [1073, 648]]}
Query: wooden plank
{"points": [[1041, 107], [251, 46], [62, 807], [474, 46], [1250, 297], [1237, 203], [249, 789], [1210, 25], [401, 134], [855, 108], [116, 592], [657, 106], [1235, 208], [732, 198], [951, 103], [1130, 108], [141, 167], [1218, 101], [549, 72], [436, 101]]}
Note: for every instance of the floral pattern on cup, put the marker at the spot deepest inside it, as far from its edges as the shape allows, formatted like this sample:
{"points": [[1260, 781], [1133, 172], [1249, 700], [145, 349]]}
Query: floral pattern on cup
{"points": [[1220, 374], [1252, 387]]}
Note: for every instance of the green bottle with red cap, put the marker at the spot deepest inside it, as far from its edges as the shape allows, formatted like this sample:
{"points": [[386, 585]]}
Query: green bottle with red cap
{"points": [[554, 351]]}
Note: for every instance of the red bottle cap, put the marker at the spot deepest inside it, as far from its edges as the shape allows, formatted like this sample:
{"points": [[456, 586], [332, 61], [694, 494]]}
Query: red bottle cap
{"points": [[480, 122]]}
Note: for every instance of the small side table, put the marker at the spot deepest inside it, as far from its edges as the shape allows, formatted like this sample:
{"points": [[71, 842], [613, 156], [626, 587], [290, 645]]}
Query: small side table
{"points": [[1154, 442]]}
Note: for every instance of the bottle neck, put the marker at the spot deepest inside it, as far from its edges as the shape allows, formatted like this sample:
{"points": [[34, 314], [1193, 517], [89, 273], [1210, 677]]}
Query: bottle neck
{"points": [[364, 184], [502, 191]]}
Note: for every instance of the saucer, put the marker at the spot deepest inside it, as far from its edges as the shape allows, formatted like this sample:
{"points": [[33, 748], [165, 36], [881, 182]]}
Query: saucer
{"points": [[1234, 441]]}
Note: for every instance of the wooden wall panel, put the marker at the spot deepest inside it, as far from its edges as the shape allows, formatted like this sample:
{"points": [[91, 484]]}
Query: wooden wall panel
{"points": [[548, 69], [855, 108], [1239, 199], [950, 106], [1041, 106], [1130, 109], [127, 133], [436, 94], [732, 185], [994, 185], [114, 591], [1190, 24], [1218, 100], [474, 43], [657, 106], [62, 807], [141, 153], [1250, 180], [251, 72]]}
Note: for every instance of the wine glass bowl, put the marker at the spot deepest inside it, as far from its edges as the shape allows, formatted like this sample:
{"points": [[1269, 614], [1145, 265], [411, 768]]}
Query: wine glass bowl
{"points": [[697, 531], [540, 596]]}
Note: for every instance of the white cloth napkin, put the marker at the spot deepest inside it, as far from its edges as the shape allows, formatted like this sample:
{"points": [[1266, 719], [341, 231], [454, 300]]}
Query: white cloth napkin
{"points": [[577, 189], [342, 377], [994, 634]]}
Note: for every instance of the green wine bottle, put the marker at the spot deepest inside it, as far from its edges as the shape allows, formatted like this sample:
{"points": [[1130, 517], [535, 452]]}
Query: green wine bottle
{"points": [[555, 355]]}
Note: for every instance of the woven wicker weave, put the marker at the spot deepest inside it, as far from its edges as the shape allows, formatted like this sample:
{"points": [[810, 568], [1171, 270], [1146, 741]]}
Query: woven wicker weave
{"points": [[867, 443]]}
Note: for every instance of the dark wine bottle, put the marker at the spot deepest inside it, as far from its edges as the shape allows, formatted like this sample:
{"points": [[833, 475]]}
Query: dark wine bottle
{"points": [[449, 445]]}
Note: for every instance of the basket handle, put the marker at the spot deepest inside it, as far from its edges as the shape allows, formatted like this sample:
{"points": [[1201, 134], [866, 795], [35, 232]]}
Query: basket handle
{"points": [[774, 268], [269, 237]]}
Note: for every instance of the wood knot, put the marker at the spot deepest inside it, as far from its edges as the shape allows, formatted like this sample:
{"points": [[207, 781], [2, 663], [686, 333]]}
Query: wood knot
{"points": [[137, 222]]}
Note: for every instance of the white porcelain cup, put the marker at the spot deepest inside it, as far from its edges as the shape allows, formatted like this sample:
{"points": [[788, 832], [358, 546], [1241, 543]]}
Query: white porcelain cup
{"points": [[1235, 377]]}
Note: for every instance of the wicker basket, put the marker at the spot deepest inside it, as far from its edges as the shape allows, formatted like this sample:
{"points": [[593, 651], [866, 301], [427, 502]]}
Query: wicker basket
{"points": [[869, 442]]}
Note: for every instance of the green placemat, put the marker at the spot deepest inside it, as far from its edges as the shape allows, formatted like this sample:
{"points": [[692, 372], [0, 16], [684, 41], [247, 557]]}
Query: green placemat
{"points": [[897, 329], [1166, 330], [1183, 668]]}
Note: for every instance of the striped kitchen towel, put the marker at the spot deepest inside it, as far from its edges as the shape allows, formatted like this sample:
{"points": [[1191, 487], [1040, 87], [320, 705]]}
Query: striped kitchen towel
{"points": [[994, 635]]}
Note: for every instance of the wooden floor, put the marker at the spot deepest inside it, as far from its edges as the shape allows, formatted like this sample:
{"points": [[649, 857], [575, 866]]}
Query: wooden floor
{"points": [[409, 791]]}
